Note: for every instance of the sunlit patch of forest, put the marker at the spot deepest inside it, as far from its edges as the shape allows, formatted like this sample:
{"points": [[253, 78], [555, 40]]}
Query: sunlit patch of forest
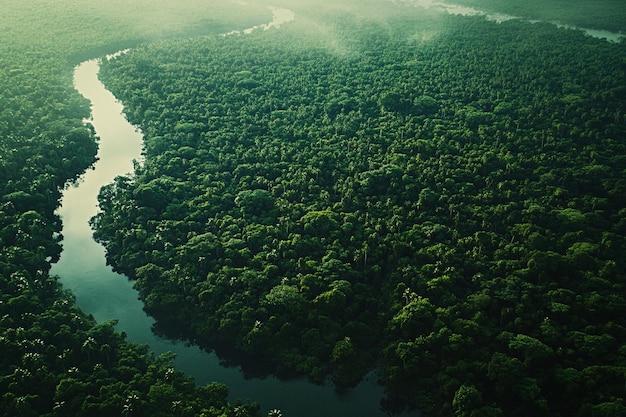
{"points": [[373, 186]]}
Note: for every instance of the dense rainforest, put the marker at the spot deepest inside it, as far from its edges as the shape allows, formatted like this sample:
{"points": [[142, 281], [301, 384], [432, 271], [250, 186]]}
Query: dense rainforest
{"points": [[55, 360], [440, 199], [443, 203]]}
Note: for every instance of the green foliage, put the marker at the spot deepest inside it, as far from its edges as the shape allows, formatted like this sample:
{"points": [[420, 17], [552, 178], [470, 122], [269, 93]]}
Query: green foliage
{"points": [[445, 200], [599, 14], [257, 205], [55, 359]]}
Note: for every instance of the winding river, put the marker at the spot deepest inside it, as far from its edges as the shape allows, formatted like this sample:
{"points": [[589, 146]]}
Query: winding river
{"points": [[106, 295]]}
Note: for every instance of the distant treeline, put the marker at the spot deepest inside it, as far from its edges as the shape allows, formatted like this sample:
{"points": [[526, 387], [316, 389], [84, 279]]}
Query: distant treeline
{"points": [[597, 14]]}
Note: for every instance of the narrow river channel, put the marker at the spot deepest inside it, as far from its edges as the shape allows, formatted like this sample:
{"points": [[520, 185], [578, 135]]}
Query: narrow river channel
{"points": [[107, 295]]}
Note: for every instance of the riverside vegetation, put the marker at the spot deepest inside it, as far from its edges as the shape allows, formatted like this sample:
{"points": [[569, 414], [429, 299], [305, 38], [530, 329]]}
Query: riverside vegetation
{"points": [[56, 361], [440, 199], [606, 15]]}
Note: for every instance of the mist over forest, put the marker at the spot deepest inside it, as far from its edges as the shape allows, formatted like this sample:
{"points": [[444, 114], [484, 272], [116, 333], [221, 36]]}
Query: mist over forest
{"points": [[423, 193]]}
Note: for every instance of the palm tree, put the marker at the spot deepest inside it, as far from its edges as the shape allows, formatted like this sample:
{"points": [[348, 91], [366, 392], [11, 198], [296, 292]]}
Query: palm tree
{"points": [[89, 345], [106, 349]]}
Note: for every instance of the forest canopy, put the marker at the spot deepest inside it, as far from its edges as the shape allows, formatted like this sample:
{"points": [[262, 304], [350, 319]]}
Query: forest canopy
{"points": [[603, 14], [441, 199], [56, 360]]}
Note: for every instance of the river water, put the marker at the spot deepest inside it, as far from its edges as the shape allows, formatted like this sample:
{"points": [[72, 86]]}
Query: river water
{"points": [[107, 295]]}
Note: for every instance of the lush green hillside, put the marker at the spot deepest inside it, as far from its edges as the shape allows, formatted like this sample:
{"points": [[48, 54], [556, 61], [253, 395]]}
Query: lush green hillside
{"points": [[55, 360], [445, 203]]}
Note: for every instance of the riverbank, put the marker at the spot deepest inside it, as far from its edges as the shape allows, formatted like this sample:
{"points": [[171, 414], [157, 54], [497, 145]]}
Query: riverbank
{"points": [[109, 296]]}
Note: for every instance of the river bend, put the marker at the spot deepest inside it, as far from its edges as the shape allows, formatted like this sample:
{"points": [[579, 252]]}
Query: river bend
{"points": [[107, 295]]}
